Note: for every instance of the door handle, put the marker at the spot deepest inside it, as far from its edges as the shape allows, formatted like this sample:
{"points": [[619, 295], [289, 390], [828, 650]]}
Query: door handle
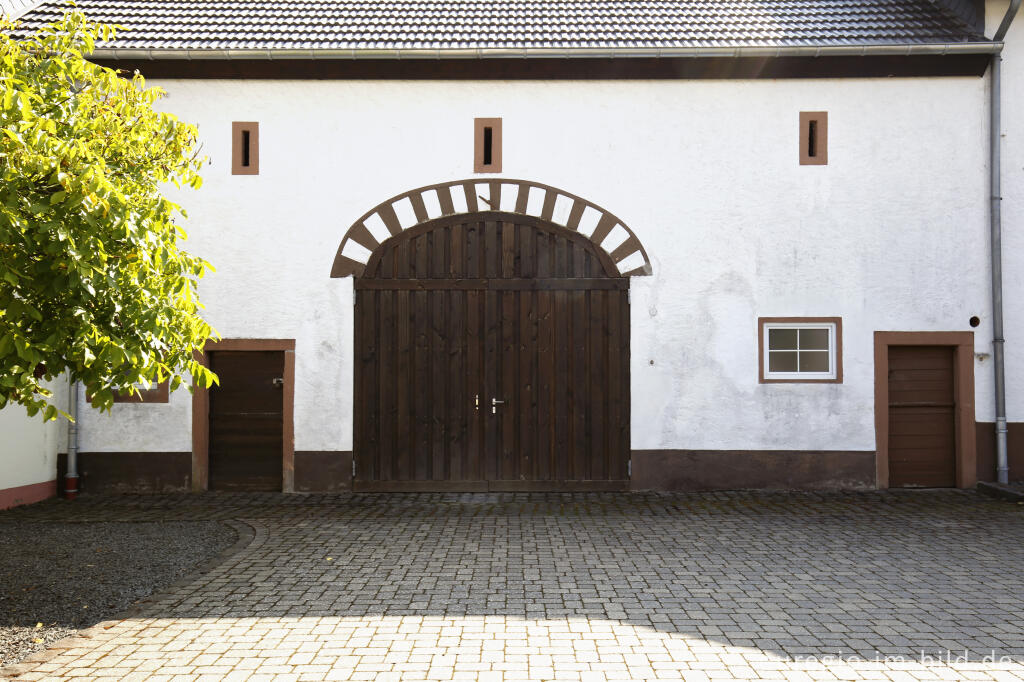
{"points": [[494, 405], [476, 402], [278, 382]]}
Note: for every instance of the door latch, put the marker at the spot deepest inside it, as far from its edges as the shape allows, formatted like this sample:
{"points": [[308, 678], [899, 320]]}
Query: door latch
{"points": [[476, 402], [494, 405], [278, 382]]}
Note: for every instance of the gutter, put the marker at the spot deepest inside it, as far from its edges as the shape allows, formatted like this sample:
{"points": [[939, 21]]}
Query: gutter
{"points": [[987, 47], [996, 243]]}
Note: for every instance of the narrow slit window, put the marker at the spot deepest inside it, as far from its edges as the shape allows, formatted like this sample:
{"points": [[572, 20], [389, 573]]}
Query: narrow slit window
{"points": [[814, 138], [245, 149], [245, 153], [487, 143]]}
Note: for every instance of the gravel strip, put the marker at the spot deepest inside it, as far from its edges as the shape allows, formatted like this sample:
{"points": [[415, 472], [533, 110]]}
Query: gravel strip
{"points": [[57, 578]]}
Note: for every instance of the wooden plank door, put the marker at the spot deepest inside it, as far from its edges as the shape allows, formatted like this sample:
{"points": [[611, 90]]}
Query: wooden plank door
{"points": [[562, 380], [922, 417], [246, 420], [465, 311], [416, 420]]}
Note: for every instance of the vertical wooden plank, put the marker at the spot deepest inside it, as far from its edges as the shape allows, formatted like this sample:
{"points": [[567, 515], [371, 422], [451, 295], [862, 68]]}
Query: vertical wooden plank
{"points": [[385, 467], [476, 385], [526, 251], [562, 352], [403, 469], [492, 384], [526, 408], [366, 430], [579, 402], [614, 400], [545, 387], [288, 424], [491, 249], [545, 254], [402, 259], [597, 378], [508, 249], [421, 389], [578, 267], [506, 412], [625, 390], [439, 395], [457, 252], [457, 406], [473, 233]]}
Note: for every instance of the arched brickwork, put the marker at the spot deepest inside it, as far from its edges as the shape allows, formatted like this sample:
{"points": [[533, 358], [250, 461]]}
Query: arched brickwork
{"points": [[522, 197]]}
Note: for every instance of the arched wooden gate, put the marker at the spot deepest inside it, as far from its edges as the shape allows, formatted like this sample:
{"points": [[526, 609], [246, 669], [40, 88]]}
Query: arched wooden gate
{"points": [[492, 353]]}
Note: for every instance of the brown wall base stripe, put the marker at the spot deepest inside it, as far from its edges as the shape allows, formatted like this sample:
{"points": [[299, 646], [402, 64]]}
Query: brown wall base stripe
{"points": [[565, 69], [323, 471], [985, 433], [27, 494], [129, 472], [693, 470]]}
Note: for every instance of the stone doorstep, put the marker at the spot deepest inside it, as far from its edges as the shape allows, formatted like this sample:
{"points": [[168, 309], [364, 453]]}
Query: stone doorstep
{"points": [[1013, 492]]}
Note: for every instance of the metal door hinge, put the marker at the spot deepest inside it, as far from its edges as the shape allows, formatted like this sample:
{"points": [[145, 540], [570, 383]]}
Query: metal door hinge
{"points": [[629, 468], [353, 466]]}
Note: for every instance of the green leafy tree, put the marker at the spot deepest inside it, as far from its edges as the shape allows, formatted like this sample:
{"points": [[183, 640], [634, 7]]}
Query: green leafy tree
{"points": [[93, 280]]}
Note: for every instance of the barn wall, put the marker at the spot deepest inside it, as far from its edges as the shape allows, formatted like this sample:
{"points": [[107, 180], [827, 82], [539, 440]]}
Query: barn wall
{"points": [[1013, 241], [28, 452], [891, 235]]}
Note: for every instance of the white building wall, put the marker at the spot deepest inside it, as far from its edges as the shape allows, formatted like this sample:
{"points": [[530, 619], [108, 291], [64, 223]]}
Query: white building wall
{"points": [[1013, 204], [891, 235], [29, 446]]}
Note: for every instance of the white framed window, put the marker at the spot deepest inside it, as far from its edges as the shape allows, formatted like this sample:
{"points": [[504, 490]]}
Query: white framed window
{"points": [[800, 349]]}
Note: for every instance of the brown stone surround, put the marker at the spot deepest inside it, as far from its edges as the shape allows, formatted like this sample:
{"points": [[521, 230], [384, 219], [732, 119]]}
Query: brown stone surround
{"points": [[985, 432], [327, 471], [693, 470], [662, 470], [129, 472]]}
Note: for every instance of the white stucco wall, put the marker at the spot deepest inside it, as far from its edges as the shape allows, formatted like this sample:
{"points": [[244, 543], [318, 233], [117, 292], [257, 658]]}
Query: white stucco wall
{"points": [[891, 235], [1012, 205], [29, 446]]}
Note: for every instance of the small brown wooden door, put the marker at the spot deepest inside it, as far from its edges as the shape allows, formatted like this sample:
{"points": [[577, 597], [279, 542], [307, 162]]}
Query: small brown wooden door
{"points": [[246, 420], [922, 417], [492, 354]]}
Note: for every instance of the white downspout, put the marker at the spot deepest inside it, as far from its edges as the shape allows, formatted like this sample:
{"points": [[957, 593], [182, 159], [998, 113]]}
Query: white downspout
{"points": [[71, 478]]}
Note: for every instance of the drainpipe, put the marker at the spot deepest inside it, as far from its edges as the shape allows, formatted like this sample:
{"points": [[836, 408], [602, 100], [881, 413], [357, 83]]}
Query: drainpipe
{"points": [[995, 162], [71, 478]]}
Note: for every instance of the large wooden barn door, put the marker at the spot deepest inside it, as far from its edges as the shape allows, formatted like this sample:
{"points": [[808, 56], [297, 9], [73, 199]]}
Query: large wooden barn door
{"points": [[492, 353]]}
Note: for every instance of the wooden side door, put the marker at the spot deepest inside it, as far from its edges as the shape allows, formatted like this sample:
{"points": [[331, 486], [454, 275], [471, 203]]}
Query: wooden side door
{"points": [[922, 417], [246, 420]]}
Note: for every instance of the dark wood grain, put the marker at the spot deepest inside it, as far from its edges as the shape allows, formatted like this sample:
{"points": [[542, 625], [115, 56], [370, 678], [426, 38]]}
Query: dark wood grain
{"points": [[246, 421], [922, 426], [492, 306]]}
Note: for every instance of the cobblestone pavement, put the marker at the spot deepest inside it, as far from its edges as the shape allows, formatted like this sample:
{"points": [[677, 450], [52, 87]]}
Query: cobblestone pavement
{"points": [[886, 586]]}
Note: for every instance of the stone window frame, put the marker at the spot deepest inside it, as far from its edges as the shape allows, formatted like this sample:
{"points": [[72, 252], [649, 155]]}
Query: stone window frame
{"points": [[835, 327]]}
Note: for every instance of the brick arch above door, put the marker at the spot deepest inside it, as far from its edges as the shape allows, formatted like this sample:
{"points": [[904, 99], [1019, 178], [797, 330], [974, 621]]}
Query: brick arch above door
{"points": [[524, 197]]}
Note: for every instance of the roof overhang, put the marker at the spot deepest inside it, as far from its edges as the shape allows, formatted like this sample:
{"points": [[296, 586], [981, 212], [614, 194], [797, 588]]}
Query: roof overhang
{"points": [[932, 49]]}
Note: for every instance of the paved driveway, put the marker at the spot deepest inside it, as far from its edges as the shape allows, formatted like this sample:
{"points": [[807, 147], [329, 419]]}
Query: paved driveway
{"points": [[900, 586]]}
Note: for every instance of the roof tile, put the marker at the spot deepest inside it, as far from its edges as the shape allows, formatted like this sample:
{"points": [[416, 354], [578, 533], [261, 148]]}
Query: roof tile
{"points": [[483, 24]]}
